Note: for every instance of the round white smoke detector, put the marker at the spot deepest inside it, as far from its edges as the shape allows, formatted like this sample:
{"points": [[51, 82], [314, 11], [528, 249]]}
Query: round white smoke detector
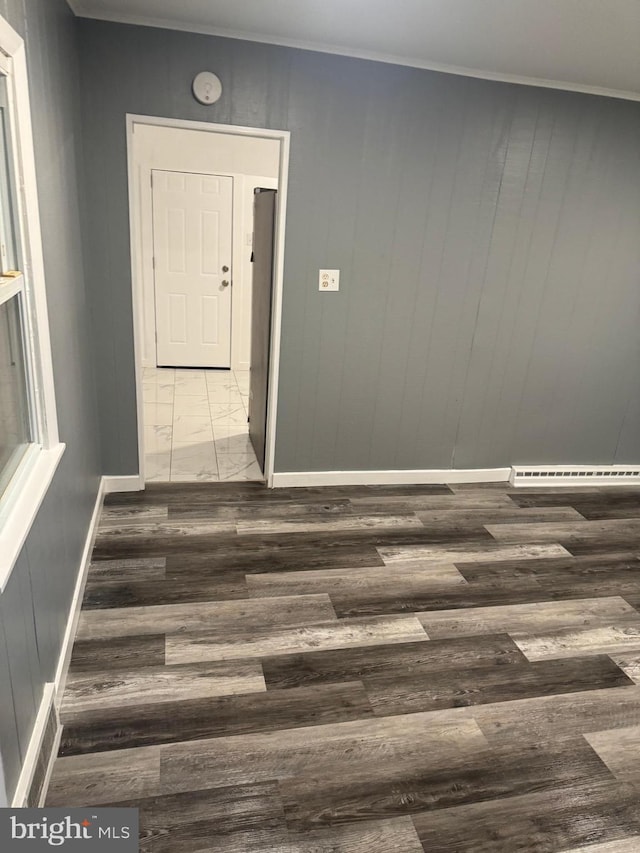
{"points": [[207, 87]]}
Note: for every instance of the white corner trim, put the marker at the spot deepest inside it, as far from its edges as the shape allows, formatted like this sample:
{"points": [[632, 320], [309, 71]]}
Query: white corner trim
{"points": [[30, 762], [355, 53], [24, 500], [76, 602], [428, 476], [594, 476], [132, 483]]}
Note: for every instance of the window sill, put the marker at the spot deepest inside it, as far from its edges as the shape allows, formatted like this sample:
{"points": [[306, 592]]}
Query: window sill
{"points": [[24, 499]]}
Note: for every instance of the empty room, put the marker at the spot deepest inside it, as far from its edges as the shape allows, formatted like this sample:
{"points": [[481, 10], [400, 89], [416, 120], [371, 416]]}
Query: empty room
{"points": [[320, 426]]}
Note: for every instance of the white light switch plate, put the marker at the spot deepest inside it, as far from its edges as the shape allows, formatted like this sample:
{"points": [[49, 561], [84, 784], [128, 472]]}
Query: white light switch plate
{"points": [[329, 280]]}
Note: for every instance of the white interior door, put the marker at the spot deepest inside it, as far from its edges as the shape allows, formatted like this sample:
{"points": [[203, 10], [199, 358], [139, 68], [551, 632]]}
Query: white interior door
{"points": [[192, 244]]}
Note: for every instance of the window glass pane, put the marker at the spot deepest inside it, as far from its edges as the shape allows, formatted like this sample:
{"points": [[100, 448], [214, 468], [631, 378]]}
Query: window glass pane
{"points": [[8, 243], [15, 429]]}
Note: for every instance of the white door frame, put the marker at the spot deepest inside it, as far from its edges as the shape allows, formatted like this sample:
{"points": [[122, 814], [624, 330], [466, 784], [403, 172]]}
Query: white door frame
{"points": [[283, 136]]}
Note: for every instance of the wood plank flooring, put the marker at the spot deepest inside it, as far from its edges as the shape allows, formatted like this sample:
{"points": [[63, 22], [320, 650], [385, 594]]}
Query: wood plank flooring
{"points": [[361, 670]]}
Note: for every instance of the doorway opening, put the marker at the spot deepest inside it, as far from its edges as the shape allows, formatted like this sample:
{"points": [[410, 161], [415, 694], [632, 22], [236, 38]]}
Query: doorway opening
{"points": [[207, 215]]}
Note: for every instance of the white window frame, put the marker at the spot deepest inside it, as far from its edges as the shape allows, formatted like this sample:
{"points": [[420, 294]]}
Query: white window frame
{"points": [[20, 502]]}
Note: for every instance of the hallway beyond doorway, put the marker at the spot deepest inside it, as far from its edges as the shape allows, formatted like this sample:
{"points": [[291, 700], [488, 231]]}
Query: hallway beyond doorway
{"points": [[195, 425]]}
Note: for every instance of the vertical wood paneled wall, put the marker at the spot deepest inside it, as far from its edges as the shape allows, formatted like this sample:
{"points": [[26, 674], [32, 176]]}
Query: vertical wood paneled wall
{"points": [[35, 604], [487, 236]]}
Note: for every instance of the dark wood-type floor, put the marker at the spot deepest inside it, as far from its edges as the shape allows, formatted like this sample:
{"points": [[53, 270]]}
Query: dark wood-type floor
{"points": [[361, 670]]}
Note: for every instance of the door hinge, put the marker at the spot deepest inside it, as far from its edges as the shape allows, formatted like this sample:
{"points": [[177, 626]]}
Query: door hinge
{"points": [[153, 262]]}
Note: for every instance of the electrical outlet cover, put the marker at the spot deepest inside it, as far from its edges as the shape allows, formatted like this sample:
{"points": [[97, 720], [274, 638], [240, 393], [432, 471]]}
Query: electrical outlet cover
{"points": [[329, 280]]}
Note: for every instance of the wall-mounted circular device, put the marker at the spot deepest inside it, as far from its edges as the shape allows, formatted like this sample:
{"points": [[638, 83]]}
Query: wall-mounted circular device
{"points": [[207, 87]]}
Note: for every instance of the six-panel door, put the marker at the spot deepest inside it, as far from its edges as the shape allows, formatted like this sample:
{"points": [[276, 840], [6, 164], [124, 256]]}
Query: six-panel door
{"points": [[192, 237]]}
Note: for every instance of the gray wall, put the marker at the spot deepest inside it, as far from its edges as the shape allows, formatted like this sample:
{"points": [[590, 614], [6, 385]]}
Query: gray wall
{"points": [[35, 605], [487, 236]]}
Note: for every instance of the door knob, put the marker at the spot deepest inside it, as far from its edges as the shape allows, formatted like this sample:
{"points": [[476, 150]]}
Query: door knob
{"points": [[225, 268], [225, 283]]}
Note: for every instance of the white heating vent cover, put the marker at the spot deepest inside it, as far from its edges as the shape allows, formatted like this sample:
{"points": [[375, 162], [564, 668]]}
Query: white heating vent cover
{"points": [[574, 475]]}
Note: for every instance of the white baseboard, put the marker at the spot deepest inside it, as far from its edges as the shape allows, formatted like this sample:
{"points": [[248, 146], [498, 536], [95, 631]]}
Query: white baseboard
{"points": [[76, 603], [54, 690], [132, 483], [532, 476], [429, 476], [52, 693], [33, 750], [49, 773]]}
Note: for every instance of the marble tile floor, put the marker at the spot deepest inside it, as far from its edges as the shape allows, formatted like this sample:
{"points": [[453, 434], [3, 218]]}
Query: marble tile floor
{"points": [[195, 425]]}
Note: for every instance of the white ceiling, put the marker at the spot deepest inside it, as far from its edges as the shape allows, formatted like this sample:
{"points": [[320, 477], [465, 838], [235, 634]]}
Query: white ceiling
{"points": [[586, 45]]}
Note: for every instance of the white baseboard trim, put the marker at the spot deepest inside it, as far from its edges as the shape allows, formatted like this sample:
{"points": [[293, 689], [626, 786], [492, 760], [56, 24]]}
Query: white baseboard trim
{"points": [[132, 483], [76, 603], [430, 476], [51, 765], [53, 690], [33, 750], [532, 476]]}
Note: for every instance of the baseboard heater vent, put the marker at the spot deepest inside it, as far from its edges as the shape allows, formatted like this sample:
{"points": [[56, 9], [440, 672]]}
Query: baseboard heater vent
{"points": [[531, 476]]}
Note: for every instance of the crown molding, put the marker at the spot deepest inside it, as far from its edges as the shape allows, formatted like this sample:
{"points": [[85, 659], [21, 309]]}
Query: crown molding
{"points": [[79, 8]]}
